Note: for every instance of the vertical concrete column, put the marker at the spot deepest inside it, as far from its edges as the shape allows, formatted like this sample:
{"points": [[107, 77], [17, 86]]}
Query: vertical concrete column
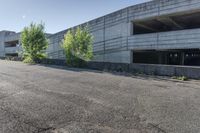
{"points": [[131, 26], [182, 58], [160, 57], [166, 59], [131, 56], [129, 33], [104, 38], [2, 44]]}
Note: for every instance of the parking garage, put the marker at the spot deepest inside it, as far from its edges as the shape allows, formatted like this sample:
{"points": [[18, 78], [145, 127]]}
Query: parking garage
{"points": [[11, 48], [177, 22], [167, 23]]}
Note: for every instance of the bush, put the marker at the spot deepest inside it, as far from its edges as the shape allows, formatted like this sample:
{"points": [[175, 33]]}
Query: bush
{"points": [[34, 43], [29, 60], [77, 45], [182, 78]]}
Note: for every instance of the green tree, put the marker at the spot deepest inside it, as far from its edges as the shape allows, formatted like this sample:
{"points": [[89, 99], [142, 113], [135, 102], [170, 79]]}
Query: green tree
{"points": [[34, 42], [77, 45]]}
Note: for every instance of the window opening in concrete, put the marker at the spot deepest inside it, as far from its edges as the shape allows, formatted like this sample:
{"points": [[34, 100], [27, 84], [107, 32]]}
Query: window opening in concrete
{"points": [[12, 55], [190, 57], [167, 23], [11, 43]]}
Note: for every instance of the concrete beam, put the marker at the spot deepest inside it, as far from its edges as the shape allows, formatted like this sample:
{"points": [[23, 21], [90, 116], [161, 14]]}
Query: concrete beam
{"points": [[169, 22], [146, 27], [175, 23]]}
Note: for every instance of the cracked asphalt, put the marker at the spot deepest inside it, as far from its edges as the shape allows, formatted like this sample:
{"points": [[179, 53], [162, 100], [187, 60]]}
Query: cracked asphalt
{"points": [[48, 99]]}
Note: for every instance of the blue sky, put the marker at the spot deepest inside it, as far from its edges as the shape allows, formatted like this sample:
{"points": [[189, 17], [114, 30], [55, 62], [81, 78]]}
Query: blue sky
{"points": [[56, 14]]}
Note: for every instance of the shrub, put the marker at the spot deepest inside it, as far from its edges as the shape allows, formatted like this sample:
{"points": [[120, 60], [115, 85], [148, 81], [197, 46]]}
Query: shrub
{"points": [[182, 78], [34, 43], [29, 60], [77, 45]]}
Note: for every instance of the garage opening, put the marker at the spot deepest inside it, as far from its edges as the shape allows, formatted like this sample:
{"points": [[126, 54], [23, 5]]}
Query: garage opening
{"points": [[12, 55], [190, 57], [11, 44], [167, 23]]}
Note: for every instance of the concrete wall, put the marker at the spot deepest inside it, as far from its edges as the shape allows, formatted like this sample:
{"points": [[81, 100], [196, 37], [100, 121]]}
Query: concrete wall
{"points": [[115, 57], [113, 40], [184, 39], [167, 70], [161, 7], [12, 37], [162, 70], [2, 51], [54, 50], [3, 36], [110, 38]]}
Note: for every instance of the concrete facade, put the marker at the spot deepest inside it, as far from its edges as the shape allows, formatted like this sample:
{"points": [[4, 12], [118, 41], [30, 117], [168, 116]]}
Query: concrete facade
{"points": [[115, 37], [4, 35]]}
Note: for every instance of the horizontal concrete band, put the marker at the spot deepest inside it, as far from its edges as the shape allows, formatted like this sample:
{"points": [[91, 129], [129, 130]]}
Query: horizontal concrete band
{"points": [[161, 70], [150, 69]]}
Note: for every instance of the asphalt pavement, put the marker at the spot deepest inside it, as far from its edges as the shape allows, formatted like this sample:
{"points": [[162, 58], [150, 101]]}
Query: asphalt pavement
{"points": [[50, 99]]}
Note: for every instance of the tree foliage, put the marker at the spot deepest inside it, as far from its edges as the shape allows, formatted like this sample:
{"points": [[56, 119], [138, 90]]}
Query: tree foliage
{"points": [[77, 45], [34, 42]]}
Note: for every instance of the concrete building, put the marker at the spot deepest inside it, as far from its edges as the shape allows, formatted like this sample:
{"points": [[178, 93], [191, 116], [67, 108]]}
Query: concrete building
{"points": [[155, 32], [9, 43]]}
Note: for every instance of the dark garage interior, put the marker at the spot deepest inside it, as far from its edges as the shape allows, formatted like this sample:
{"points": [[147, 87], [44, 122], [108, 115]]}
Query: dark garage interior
{"points": [[167, 23], [190, 57]]}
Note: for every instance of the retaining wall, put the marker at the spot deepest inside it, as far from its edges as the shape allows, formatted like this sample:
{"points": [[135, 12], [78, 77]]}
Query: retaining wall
{"points": [[161, 70], [149, 69]]}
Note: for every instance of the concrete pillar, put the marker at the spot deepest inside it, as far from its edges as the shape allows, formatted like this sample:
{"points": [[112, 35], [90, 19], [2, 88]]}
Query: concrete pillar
{"points": [[131, 57], [104, 38], [160, 58], [131, 26], [182, 58]]}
